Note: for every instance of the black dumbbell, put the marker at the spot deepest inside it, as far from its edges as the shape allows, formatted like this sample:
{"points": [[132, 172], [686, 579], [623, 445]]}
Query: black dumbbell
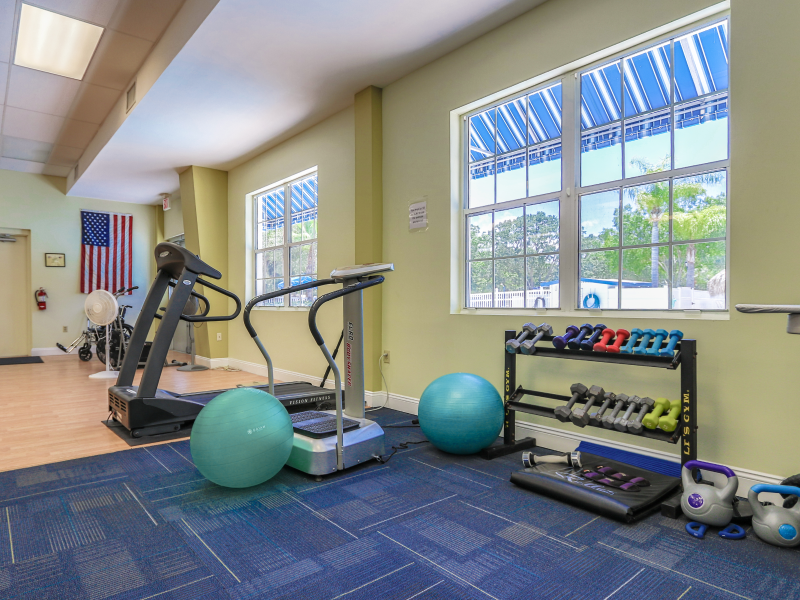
{"points": [[608, 422], [575, 343], [597, 417], [529, 346], [589, 342], [527, 330], [578, 390], [580, 416], [621, 423], [635, 426]]}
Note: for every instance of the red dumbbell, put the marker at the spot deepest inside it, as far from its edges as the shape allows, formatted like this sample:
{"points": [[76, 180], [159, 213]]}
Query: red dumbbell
{"points": [[622, 335], [602, 345]]}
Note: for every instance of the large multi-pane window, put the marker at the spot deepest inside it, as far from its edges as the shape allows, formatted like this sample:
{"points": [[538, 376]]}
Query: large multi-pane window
{"points": [[649, 167], [515, 163], [283, 252]]}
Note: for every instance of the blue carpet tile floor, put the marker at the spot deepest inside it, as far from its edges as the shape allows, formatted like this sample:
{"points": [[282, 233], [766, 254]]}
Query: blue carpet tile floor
{"points": [[144, 524]]}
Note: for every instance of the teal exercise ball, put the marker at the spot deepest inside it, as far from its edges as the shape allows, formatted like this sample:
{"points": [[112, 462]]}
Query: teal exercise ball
{"points": [[241, 438], [461, 413]]}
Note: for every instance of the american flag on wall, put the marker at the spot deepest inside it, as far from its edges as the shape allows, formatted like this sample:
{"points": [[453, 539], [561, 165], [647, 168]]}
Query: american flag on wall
{"points": [[106, 252]]}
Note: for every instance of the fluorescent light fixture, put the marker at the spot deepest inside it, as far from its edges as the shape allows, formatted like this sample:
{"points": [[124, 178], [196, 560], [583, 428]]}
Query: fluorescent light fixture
{"points": [[54, 43]]}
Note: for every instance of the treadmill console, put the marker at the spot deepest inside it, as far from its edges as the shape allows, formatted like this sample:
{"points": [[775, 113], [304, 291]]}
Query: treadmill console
{"points": [[361, 270]]}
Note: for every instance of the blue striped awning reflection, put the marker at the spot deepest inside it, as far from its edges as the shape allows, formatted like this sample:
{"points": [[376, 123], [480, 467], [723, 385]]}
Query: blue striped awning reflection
{"points": [[304, 194], [528, 120], [700, 68], [270, 206]]}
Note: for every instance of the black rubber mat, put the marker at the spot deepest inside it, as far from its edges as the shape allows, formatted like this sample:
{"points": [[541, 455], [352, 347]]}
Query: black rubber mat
{"points": [[21, 360], [125, 435]]}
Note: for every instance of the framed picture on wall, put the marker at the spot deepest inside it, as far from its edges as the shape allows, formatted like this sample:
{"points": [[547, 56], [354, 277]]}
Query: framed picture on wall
{"points": [[54, 259]]}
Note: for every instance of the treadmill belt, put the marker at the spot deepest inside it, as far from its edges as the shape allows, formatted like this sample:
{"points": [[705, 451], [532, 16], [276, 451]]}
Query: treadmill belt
{"points": [[316, 424]]}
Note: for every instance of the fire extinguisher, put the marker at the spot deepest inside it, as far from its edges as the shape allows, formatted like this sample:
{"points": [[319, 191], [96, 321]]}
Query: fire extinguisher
{"points": [[40, 296]]}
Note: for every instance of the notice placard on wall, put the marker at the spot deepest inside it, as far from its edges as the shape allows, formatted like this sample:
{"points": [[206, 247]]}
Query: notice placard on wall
{"points": [[418, 214]]}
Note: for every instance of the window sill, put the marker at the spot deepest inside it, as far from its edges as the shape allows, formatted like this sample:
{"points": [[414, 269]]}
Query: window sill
{"points": [[282, 308], [694, 315]]}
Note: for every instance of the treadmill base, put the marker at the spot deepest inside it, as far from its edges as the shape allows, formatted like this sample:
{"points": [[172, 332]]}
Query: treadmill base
{"points": [[317, 456]]}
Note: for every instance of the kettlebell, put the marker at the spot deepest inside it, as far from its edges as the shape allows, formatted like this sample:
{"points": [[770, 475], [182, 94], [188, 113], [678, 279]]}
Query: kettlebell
{"points": [[705, 503], [774, 524]]}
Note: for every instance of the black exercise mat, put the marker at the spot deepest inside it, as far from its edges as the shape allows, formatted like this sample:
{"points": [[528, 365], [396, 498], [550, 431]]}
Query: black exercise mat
{"points": [[125, 435], [21, 360], [565, 484]]}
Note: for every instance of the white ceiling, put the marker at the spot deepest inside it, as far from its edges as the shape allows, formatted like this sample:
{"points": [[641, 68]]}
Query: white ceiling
{"points": [[257, 71], [46, 121]]}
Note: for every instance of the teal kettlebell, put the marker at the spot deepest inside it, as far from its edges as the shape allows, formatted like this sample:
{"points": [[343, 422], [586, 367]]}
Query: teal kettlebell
{"points": [[774, 524], [705, 503]]}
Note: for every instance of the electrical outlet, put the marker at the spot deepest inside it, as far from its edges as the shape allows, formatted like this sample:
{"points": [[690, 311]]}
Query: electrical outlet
{"points": [[219, 337], [386, 357], [65, 329]]}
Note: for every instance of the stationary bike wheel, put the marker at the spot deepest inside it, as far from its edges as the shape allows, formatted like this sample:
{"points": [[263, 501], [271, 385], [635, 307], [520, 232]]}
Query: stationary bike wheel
{"points": [[85, 353]]}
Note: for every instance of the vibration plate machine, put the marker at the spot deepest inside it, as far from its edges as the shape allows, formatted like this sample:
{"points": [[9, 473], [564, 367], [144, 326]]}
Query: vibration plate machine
{"points": [[326, 442], [146, 410]]}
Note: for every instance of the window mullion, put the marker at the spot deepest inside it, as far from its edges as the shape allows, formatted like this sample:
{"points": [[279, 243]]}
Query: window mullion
{"points": [[568, 213]]}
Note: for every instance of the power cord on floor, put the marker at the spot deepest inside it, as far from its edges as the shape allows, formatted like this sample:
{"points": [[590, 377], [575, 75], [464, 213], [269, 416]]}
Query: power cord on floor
{"points": [[386, 385], [401, 446]]}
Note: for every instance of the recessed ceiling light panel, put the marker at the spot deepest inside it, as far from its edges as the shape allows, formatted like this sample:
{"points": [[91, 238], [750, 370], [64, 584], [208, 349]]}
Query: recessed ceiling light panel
{"points": [[54, 43]]}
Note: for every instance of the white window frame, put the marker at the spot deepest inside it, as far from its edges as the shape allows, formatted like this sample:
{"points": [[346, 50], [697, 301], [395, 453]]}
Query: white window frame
{"points": [[253, 250], [570, 193]]}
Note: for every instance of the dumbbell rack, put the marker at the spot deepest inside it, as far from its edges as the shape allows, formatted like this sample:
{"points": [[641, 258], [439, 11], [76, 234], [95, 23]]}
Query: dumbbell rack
{"points": [[685, 358]]}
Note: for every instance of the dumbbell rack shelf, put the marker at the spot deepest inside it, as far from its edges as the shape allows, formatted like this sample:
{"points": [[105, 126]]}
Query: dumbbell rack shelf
{"points": [[684, 360]]}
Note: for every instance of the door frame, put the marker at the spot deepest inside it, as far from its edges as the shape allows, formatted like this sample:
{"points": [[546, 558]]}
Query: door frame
{"points": [[24, 236]]}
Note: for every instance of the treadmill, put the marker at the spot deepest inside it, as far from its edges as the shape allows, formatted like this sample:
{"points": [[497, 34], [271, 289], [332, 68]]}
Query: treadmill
{"points": [[147, 410]]}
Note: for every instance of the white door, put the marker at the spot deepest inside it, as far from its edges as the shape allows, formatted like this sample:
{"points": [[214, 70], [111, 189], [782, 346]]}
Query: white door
{"points": [[13, 299]]}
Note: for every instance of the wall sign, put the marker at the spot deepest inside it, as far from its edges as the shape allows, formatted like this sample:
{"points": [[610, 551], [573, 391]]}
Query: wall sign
{"points": [[418, 214]]}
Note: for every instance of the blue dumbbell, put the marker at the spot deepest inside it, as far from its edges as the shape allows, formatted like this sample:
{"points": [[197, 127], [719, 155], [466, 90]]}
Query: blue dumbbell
{"points": [[575, 343], [675, 336], [560, 341], [661, 335], [647, 335], [628, 348], [589, 342]]}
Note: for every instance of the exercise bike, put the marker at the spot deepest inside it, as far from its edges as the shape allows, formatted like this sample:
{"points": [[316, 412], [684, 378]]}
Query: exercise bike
{"points": [[96, 336], [120, 334]]}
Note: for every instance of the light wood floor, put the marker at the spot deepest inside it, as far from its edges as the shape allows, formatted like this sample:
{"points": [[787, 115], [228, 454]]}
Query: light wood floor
{"points": [[51, 412]]}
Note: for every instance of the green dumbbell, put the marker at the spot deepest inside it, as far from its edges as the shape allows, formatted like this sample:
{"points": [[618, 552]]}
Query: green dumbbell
{"points": [[651, 420], [669, 421]]}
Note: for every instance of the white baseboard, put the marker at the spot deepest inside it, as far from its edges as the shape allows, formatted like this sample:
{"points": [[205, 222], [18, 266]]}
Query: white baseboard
{"points": [[48, 352], [211, 363]]}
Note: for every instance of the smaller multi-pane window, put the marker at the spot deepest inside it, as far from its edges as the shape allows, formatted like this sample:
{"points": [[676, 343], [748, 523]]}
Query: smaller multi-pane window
{"points": [[513, 257], [282, 251]]}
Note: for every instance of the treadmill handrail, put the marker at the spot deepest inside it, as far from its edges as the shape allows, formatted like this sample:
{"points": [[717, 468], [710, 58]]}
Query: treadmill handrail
{"points": [[202, 318], [350, 289], [196, 295], [276, 294]]}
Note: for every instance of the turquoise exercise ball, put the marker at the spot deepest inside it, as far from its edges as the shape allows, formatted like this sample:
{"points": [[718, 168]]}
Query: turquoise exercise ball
{"points": [[461, 413], [241, 438]]}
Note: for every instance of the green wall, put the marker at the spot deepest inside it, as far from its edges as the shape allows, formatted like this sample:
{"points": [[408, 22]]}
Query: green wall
{"points": [[746, 364], [38, 203], [284, 332], [204, 194]]}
